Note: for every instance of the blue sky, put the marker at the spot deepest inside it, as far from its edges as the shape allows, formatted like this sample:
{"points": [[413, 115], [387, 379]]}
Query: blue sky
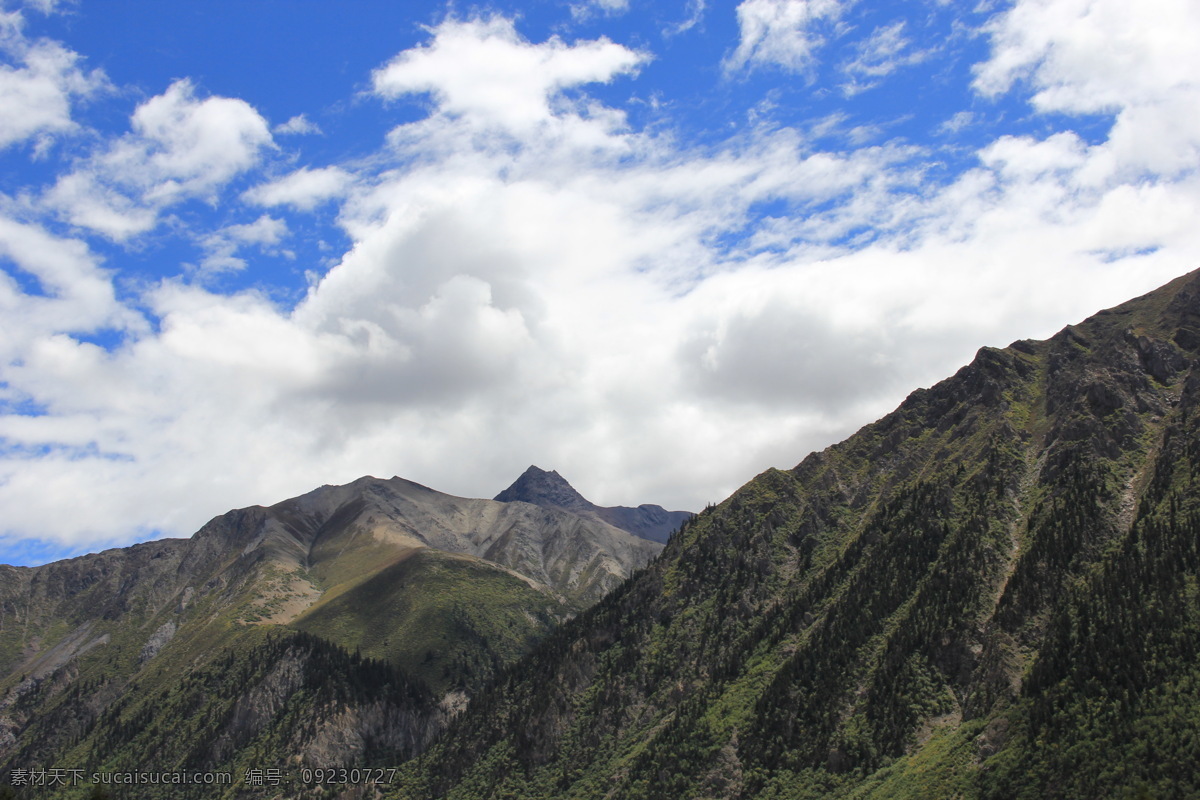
{"points": [[247, 249]]}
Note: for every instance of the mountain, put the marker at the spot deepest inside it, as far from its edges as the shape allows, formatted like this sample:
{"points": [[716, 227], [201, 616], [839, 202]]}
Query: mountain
{"points": [[992, 592], [551, 490], [340, 627]]}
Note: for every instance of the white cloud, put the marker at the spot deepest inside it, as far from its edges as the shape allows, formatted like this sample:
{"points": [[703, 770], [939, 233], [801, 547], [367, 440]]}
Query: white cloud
{"points": [[489, 295], [39, 85], [221, 247], [299, 125], [886, 51], [695, 14], [303, 189], [264, 230], [1093, 55], [73, 293], [590, 8], [47, 6], [780, 33], [180, 147], [1138, 62], [87, 200], [185, 146], [483, 69], [957, 122]]}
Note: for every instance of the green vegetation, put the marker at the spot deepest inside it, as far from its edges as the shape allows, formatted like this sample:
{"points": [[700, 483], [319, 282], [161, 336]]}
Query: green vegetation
{"points": [[452, 621], [263, 699]]}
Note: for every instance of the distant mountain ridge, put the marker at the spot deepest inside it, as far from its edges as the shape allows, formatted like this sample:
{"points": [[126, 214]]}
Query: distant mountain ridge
{"points": [[576, 556], [551, 490]]}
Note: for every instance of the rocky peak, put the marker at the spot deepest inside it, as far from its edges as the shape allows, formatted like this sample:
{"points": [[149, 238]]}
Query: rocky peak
{"points": [[550, 490], [542, 488]]}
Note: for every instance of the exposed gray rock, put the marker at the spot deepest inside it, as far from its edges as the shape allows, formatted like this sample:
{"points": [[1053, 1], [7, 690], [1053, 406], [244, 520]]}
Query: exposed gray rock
{"points": [[157, 641]]}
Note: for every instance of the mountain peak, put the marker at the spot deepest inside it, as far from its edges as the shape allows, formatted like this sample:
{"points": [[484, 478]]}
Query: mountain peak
{"points": [[542, 488], [551, 490]]}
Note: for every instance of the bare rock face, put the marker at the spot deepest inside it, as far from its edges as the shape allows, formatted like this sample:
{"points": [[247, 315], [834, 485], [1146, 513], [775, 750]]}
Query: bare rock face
{"points": [[542, 488], [347, 737], [156, 641]]}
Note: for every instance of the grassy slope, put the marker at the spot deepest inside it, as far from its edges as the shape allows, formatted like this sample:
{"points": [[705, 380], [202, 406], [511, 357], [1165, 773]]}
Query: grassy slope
{"points": [[452, 621]]}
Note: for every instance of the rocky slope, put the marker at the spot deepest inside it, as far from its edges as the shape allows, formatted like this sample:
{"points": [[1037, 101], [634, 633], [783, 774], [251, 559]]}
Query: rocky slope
{"points": [[992, 592], [551, 490]]}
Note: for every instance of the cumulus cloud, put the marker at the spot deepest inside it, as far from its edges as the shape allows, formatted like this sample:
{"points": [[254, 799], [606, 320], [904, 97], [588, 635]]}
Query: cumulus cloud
{"points": [[299, 125], [781, 33], [303, 189], [39, 80], [1099, 56], [486, 296], [483, 69], [72, 293], [179, 147]]}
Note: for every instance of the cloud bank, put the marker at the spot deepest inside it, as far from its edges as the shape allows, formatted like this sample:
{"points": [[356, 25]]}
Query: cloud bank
{"points": [[530, 277]]}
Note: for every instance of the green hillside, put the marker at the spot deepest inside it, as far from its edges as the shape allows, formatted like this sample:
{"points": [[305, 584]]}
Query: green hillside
{"points": [[452, 621]]}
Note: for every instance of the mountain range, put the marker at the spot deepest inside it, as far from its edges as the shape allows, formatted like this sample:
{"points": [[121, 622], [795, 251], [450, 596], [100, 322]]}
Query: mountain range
{"points": [[385, 600], [991, 592]]}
